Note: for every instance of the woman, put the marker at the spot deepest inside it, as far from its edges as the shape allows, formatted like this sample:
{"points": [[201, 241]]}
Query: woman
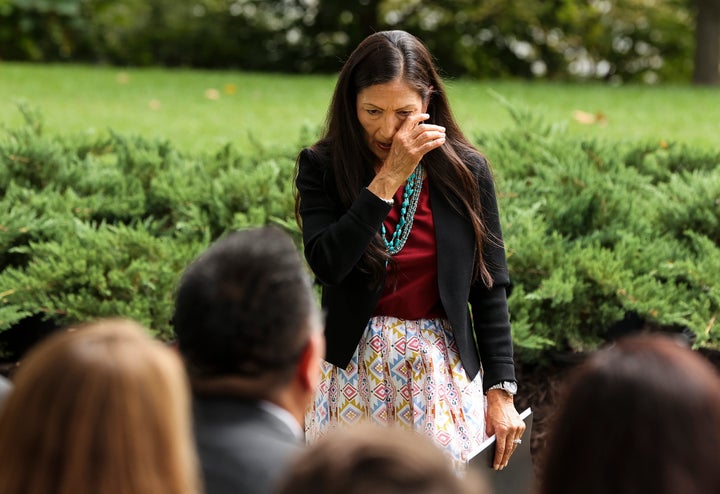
{"points": [[400, 226], [641, 416], [101, 408]]}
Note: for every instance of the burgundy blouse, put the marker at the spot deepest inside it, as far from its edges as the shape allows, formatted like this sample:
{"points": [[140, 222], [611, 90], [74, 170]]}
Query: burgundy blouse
{"points": [[411, 286]]}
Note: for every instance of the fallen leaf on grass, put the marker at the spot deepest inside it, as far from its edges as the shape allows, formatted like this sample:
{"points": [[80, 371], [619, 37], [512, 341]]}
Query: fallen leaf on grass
{"points": [[212, 94], [586, 118]]}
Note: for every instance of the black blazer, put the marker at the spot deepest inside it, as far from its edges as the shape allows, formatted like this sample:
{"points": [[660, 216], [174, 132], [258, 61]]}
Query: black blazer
{"points": [[336, 237]]}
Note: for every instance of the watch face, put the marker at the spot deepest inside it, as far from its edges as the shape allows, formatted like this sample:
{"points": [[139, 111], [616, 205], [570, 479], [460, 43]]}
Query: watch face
{"points": [[511, 387]]}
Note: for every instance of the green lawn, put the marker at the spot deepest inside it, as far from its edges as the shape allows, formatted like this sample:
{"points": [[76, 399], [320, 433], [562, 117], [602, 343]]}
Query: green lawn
{"points": [[200, 110]]}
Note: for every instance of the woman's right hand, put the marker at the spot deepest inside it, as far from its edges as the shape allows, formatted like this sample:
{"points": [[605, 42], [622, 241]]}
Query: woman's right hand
{"points": [[410, 143]]}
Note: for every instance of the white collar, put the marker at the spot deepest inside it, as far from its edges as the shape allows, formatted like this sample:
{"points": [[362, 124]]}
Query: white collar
{"points": [[285, 417]]}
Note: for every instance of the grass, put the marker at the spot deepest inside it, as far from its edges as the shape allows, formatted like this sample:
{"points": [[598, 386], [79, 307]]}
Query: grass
{"points": [[203, 110]]}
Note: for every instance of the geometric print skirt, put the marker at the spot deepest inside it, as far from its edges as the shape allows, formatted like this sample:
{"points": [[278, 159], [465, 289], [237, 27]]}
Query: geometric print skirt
{"points": [[404, 373]]}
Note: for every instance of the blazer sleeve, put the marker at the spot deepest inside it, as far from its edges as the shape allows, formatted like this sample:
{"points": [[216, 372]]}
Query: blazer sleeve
{"points": [[491, 319], [334, 239]]}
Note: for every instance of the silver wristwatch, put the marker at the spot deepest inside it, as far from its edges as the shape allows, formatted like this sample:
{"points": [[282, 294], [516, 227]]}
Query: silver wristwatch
{"points": [[508, 386]]}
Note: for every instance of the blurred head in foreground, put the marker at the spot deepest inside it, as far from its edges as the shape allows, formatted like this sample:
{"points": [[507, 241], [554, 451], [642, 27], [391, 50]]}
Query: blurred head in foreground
{"points": [[247, 321], [98, 408], [382, 460], [641, 416], [250, 332]]}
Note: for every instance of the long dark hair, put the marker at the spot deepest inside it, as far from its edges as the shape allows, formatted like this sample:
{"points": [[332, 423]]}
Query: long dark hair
{"points": [[380, 58], [642, 415]]}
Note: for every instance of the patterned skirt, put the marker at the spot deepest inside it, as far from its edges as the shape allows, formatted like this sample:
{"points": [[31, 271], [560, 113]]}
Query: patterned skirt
{"points": [[404, 373]]}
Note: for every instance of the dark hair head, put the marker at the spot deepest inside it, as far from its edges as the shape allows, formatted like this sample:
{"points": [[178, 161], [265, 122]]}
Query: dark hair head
{"points": [[380, 58], [640, 416], [245, 307], [382, 460]]}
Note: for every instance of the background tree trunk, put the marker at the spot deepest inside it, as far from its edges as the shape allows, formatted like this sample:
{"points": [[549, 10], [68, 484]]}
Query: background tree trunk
{"points": [[707, 42], [368, 13]]}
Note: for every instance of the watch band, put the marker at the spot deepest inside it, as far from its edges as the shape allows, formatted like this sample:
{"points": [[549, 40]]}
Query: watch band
{"points": [[509, 387]]}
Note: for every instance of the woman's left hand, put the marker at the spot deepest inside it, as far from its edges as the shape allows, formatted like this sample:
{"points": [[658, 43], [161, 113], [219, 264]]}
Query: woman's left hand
{"points": [[504, 421]]}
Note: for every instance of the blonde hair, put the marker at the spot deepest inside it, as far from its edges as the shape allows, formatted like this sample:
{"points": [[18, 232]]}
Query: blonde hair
{"points": [[101, 408]]}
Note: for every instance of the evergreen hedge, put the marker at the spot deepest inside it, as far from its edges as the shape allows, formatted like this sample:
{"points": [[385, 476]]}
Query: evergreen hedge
{"points": [[103, 227], [596, 231]]}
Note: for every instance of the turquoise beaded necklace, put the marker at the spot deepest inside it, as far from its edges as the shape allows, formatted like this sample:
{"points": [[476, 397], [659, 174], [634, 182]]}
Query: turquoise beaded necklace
{"points": [[411, 196]]}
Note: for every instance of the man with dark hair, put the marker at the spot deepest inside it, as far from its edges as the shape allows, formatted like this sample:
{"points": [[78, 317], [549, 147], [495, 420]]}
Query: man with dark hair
{"points": [[250, 332]]}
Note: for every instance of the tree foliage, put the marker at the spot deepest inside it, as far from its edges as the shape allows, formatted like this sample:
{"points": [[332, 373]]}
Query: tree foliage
{"points": [[617, 40]]}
